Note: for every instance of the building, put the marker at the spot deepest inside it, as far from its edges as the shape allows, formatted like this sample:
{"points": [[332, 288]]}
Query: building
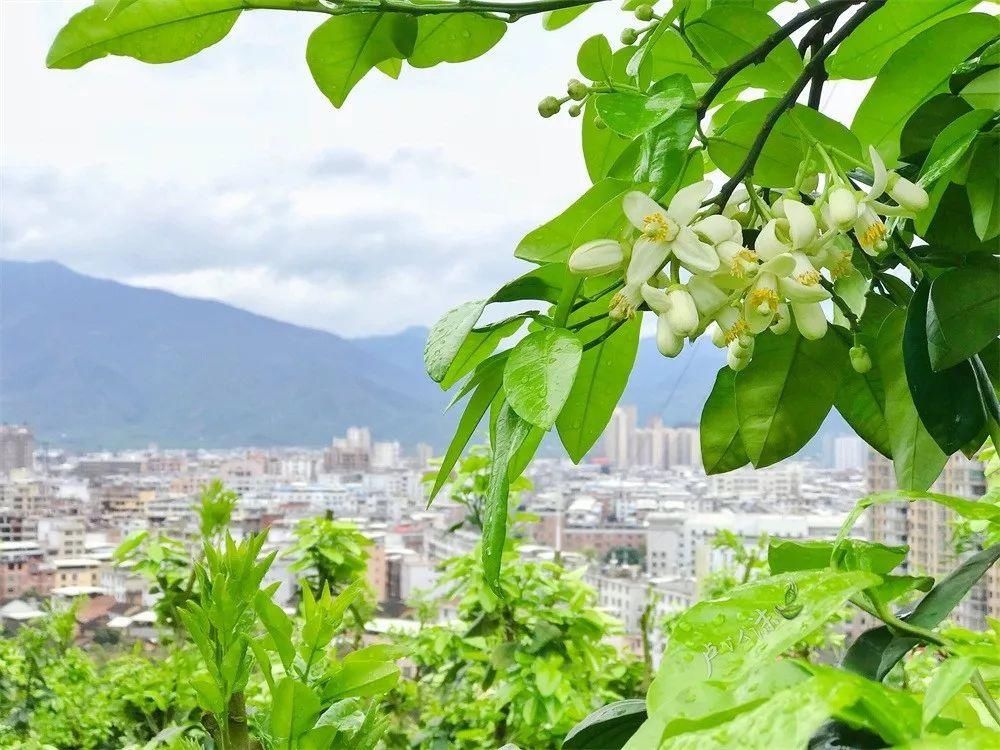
{"points": [[17, 448], [23, 570], [850, 453]]}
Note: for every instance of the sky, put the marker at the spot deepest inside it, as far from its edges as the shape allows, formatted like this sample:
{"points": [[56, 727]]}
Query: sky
{"points": [[229, 176]]}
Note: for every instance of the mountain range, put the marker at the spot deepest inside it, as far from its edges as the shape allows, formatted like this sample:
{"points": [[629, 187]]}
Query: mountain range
{"points": [[95, 364]]}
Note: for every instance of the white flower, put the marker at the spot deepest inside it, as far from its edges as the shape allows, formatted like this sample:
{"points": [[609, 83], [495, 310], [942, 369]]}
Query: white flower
{"points": [[656, 299], [762, 300], [869, 227], [663, 231], [596, 257], [809, 319], [682, 314], [716, 228], [740, 262], [782, 320], [907, 194], [708, 298], [667, 341], [736, 359], [793, 232], [731, 325], [843, 207], [802, 285]]}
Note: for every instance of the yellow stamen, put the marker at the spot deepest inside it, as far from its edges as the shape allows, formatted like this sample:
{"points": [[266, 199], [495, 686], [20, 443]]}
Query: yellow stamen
{"points": [[659, 228], [808, 278], [764, 296], [737, 329], [873, 234], [621, 307]]}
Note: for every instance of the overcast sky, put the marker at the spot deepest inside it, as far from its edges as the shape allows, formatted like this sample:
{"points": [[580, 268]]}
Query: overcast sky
{"points": [[229, 176]]}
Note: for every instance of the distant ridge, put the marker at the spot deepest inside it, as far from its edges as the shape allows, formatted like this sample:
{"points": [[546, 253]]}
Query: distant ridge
{"points": [[92, 363]]}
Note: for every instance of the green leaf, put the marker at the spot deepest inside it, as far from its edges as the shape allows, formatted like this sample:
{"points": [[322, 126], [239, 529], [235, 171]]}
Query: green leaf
{"points": [[342, 49], [131, 543], [539, 374], [594, 58], [916, 458], [602, 147], [984, 91], [969, 738], [916, 72], [785, 148], [153, 32], [362, 679], [950, 677], [948, 401], [600, 380], [984, 192], [785, 393], [446, 337], [723, 34], [952, 228], [607, 728], [721, 445], [894, 587], [511, 432], [864, 52], [278, 626], [716, 646], [664, 146], [478, 345], [542, 283], [453, 38], [924, 125], [553, 241], [556, 19], [668, 54], [294, 708], [490, 382], [948, 148], [877, 651], [855, 554], [963, 315], [631, 115]]}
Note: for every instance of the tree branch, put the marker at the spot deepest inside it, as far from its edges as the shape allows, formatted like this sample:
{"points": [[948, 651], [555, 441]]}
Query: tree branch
{"points": [[513, 10], [792, 95]]}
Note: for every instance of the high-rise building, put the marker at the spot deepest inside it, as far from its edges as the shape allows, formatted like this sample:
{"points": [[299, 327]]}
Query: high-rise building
{"points": [[620, 437], [850, 453], [17, 448], [927, 527]]}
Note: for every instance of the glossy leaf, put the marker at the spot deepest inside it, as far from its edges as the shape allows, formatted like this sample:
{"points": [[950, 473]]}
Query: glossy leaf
{"points": [[950, 677], [927, 122], [915, 73], [556, 19], [607, 728], [948, 401], [602, 147], [511, 432], [721, 445], [984, 91], [969, 738], [160, 32], [478, 345], [362, 679], [343, 49], [983, 188], [294, 709], [553, 241], [594, 58], [453, 38], [864, 52], [446, 337], [717, 645], [631, 115], [600, 380], [917, 460], [785, 393], [854, 554], [539, 375], [723, 34], [663, 157], [963, 315], [542, 283]]}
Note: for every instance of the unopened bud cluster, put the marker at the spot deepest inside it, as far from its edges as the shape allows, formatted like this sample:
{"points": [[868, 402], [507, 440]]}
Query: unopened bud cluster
{"points": [[733, 291]]}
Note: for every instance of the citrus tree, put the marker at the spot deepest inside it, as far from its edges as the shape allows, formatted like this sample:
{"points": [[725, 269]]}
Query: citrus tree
{"points": [[848, 266]]}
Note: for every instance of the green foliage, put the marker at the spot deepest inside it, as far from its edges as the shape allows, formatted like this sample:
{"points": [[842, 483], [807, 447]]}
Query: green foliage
{"points": [[522, 669]]}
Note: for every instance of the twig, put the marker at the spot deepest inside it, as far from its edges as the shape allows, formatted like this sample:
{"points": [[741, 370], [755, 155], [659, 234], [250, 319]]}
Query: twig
{"points": [[604, 336]]}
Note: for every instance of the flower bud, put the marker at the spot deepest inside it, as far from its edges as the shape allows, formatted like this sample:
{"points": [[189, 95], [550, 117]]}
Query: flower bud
{"points": [[549, 106], [599, 123], [667, 341], [735, 361], [577, 90], [717, 335], [683, 314], [596, 257], [843, 207], [860, 360], [629, 36], [644, 13], [907, 194], [574, 110], [657, 299], [810, 319]]}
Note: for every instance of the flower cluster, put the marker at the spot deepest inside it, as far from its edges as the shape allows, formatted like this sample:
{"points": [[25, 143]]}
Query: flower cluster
{"points": [[734, 291]]}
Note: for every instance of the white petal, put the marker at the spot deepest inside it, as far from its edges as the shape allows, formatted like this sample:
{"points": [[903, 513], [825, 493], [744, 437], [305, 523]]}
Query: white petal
{"points": [[810, 320], [596, 257], [801, 223], [779, 265], [638, 206], [716, 229], [708, 298], [647, 258], [768, 245], [693, 253], [879, 173], [657, 299], [686, 203], [683, 314], [843, 207], [667, 341], [908, 194]]}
